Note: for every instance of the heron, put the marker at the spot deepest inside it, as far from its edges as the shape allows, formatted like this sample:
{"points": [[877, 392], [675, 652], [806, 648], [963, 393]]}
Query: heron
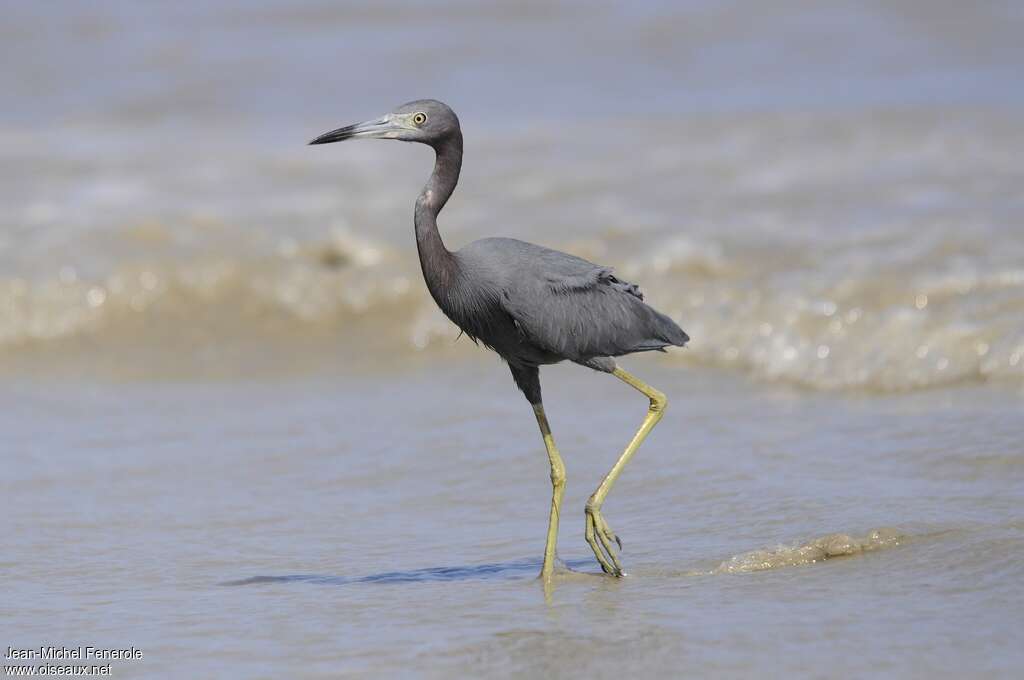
{"points": [[532, 305]]}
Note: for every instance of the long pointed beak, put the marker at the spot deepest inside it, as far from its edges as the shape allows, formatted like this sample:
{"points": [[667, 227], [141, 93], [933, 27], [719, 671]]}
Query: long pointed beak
{"points": [[381, 128]]}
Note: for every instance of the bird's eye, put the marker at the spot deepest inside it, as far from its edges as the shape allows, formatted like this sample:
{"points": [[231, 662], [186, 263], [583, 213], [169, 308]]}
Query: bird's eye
{"points": [[419, 119]]}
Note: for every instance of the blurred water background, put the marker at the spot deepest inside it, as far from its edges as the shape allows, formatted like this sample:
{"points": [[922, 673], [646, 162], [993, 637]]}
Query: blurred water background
{"points": [[220, 364]]}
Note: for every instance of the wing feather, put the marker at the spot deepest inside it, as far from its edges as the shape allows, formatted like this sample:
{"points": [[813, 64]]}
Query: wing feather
{"points": [[587, 312], [566, 305]]}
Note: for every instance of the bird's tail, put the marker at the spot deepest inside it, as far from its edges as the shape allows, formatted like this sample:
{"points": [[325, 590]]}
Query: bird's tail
{"points": [[662, 332], [668, 330]]}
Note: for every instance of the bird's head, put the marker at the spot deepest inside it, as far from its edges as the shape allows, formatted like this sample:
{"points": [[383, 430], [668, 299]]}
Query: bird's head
{"points": [[427, 121]]}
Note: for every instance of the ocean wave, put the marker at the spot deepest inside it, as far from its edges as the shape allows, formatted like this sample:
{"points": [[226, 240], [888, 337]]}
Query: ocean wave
{"points": [[860, 318], [811, 552], [863, 317], [876, 252], [301, 284]]}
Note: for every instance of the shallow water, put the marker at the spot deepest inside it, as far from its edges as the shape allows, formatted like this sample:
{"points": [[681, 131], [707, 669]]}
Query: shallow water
{"points": [[237, 435], [353, 525]]}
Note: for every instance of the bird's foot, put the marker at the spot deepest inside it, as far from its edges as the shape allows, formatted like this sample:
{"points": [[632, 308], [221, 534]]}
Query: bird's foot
{"points": [[602, 540]]}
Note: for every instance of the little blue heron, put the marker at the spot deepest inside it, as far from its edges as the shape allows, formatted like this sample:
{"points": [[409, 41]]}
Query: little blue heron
{"points": [[530, 304]]}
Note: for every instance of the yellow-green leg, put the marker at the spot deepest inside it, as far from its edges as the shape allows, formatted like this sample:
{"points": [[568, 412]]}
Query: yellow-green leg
{"points": [[599, 534], [557, 490]]}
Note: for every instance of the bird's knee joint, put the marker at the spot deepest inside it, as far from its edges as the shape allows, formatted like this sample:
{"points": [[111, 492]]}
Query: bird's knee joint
{"points": [[557, 477], [659, 402]]}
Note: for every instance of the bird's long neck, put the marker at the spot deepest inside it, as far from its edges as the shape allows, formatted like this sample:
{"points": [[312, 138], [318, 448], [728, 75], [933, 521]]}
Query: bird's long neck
{"points": [[437, 262]]}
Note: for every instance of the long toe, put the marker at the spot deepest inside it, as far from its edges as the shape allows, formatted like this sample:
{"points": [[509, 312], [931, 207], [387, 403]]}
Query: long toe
{"points": [[602, 541]]}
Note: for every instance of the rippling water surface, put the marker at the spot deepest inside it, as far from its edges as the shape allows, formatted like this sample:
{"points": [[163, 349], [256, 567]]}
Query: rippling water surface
{"points": [[239, 436]]}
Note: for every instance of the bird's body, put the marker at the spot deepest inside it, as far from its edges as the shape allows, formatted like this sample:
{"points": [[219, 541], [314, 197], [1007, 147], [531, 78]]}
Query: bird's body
{"points": [[530, 304], [535, 306]]}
